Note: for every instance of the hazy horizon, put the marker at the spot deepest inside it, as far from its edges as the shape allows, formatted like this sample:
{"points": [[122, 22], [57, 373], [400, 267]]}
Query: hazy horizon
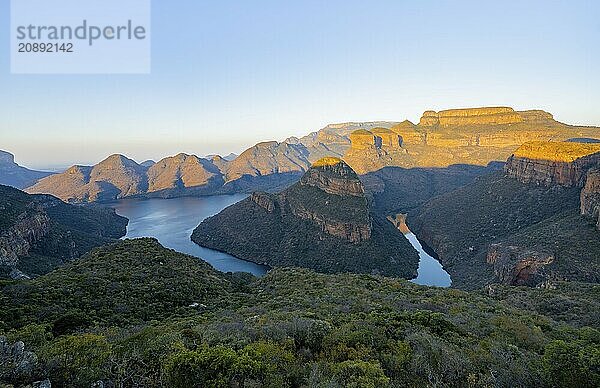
{"points": [[227, 75]]}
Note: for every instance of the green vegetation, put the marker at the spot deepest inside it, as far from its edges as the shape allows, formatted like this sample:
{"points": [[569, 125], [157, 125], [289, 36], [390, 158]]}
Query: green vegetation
{"points": [[279, 238], [134, 323], [400, 190], [461, 225]]}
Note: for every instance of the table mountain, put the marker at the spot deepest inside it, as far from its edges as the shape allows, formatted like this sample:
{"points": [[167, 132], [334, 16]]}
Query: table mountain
{"points": [[40, 232], [12, 174], [322, 222], [533, 223]]}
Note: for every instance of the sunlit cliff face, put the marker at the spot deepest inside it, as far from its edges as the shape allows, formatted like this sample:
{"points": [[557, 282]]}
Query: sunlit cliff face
{"points": [[556, 151]]}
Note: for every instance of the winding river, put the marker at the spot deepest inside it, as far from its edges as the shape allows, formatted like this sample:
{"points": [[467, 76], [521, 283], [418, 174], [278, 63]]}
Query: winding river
{"points": [[172, 221]]}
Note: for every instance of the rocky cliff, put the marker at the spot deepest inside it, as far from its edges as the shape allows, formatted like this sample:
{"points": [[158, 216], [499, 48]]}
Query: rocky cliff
{"points": [[590, 195], [39, 232], [518, 265], [11, 174], [523, 227], [321, 222], [549, 163], [470, 116], [376, 149]]}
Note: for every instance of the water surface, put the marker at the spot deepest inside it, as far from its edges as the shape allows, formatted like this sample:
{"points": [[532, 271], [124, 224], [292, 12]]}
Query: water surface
{"points": [[172, 221], [430, 272]]}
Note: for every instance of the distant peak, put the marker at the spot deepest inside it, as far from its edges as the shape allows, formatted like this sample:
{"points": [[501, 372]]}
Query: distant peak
{"points": [[6, 157], [119, 159]]}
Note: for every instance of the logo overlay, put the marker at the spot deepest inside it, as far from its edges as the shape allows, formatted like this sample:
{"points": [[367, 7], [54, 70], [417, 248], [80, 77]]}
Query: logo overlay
{"points": [[80, 37]]}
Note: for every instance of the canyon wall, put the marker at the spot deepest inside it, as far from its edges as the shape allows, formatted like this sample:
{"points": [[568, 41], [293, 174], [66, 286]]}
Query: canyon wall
{"points": [[590, 195], [553, 163]]}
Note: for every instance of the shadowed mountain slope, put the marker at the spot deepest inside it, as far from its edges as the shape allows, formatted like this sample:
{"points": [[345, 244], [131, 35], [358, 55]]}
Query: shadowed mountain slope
{"points": [[40, 232]]}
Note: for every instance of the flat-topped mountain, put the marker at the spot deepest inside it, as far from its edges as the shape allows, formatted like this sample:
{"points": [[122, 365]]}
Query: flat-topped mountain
{"points": [[322, 222], [11, 174], [40, 232], [563, 163], [533, 223], [470, 116]]}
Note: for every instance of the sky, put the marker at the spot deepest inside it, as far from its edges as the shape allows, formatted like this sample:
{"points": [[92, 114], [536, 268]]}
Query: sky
{"points": [[228, 74]]}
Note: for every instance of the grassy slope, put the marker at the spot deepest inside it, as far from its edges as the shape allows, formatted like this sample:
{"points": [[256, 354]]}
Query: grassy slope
{"points": [[123, 315]]}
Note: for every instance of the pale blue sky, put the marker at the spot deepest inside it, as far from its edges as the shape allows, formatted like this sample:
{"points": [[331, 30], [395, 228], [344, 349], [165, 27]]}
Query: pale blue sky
{"points": [[226, 74]]}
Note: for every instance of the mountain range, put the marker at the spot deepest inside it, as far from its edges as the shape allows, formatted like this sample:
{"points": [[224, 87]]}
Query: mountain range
{"points": [[473, 136]]}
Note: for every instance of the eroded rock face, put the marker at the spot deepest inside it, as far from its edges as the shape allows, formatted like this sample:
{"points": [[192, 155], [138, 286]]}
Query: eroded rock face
{"points": [[17, 240], [408, 132], [17, 364], [362, 139], [334, 177], [471, 116], [553, 163], [264, 200], [590, 195], [389, 139], [518, 266]]}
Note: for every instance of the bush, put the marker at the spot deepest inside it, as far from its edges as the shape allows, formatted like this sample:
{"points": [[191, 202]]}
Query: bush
{"points": [[77, 360]]}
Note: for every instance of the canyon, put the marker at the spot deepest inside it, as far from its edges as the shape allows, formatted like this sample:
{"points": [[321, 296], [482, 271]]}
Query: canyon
{"points": [[533, 223], [323, 222]]}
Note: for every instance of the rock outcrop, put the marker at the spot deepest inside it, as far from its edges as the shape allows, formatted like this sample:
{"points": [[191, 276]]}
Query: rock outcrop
{"points": [[470, 116], [322, 222], [16, 241], [553, 163], [11, 174], [408, 132], [17, 364], [590, 195], [373, 150], [518, 266], [333, 176]]}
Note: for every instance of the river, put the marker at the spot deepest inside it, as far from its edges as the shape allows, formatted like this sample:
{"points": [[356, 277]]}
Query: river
{"points": [[172, 221]]}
